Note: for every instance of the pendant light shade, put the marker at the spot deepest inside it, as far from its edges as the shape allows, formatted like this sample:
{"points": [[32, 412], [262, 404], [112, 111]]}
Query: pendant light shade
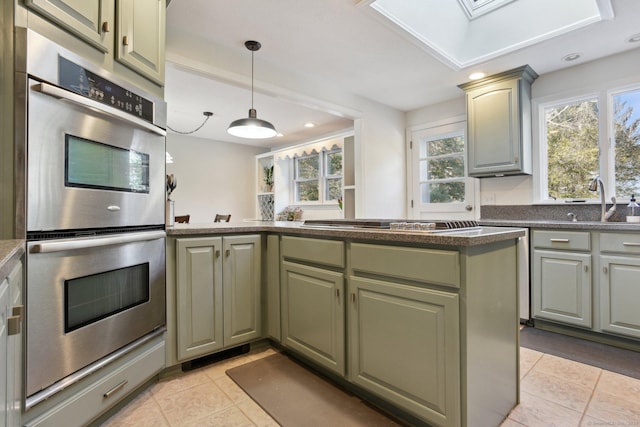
{"points": [[252, 127]]}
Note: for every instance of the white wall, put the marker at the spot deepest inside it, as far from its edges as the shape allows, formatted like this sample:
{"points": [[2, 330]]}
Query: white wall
{"points": [[213, 177]]}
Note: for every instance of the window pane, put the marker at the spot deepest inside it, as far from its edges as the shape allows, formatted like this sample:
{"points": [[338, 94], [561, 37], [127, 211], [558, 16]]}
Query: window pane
{"points": [[627, 148], [446, 167], [444, 146], [334, 189], [307, 191], [334, 163], [307, 167], [444, 192], [572, 149]]}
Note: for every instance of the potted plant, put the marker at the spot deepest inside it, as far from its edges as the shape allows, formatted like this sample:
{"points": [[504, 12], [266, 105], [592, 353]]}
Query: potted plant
{"points": [[268, 178]]}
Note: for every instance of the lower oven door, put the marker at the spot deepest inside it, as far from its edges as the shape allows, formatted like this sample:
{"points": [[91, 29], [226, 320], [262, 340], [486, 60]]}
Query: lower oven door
{"points": [[88, 297]]}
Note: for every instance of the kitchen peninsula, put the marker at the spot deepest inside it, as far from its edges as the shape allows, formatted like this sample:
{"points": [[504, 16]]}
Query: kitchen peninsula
{"points": [[423, 323]]}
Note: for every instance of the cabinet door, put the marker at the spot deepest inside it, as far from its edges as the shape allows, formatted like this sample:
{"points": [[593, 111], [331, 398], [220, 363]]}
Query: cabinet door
{"points": [[91, 20], [562, 287], [241, 289], [313, 314], [14, 351], [199, 296], [404, 347], [619, 295], [494, 129], [141, 37]]}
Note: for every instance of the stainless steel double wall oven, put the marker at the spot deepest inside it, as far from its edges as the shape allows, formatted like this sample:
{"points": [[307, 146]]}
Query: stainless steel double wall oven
{"points": [[95, 194]]}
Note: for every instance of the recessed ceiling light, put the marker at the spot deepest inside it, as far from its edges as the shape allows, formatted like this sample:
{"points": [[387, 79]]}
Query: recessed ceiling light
{"points": [[634, 38], [309, 125], [476, 76], [571, 57]]}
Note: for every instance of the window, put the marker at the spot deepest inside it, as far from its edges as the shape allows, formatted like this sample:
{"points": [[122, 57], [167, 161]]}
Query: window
{"points": [[442, 171], [576, 146], [318, 177], [572, 148], [437, 176]]}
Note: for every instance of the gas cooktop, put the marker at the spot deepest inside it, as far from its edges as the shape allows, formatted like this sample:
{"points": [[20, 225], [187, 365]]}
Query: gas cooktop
{"points": [[393, 224]]}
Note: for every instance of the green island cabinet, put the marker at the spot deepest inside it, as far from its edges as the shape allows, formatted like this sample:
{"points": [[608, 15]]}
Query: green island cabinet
{"points": [[499, 123], [561, 276], [426, 328], [312, 286], [216, 289], [11, 319], [131, 31]]}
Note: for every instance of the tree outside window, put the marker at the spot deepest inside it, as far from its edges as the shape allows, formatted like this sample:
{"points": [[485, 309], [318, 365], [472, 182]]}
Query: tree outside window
{"points": [[573, 152]]}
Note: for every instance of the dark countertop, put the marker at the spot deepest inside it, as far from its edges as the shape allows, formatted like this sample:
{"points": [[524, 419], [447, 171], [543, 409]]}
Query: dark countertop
{"points": [[9, 250], [462, 238], [564, 225]]}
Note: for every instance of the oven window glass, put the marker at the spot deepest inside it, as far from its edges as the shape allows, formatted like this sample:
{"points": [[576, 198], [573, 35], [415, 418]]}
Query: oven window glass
{"points": [[91, 298], [90, 164]]}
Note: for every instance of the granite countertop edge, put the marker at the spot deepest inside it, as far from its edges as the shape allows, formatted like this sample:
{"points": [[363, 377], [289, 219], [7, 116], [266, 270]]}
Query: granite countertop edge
{"points": [[562, 225], [9, 250], [462, 238]]}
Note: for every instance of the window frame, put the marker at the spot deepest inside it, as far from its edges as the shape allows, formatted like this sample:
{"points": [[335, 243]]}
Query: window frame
{"points": [[322, 179]]}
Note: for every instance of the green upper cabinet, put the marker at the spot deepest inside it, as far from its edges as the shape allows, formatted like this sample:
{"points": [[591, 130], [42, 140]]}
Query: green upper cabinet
{"points": [[499, 123], [141, 36], [131, 32], [90, 20]]}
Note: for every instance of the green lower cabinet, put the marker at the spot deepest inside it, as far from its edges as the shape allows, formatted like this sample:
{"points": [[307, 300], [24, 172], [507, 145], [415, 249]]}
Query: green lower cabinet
{"points": [[619, 295], [218, 295], [405, 347], [561, 287], [313, 322]]}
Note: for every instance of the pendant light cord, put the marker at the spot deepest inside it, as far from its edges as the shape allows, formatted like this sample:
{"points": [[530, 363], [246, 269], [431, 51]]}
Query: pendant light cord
{"points": [[207, 115], [252, 52]]}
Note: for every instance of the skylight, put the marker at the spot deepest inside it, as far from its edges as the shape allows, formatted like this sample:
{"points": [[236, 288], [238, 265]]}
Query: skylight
{"points": [[497, 27], [475, 8]]}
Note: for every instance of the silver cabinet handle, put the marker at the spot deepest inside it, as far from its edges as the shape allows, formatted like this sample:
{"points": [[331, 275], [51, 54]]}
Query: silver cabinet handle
{"points": [[586, 268], [559, 240], [57, 92], [631, 244], [115, 389], [227, 253], [95, 242], [605, 270], [337, 292], [217, 254]]}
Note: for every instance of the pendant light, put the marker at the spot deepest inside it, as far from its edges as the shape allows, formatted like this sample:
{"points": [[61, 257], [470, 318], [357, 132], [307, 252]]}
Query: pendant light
{"points": [[252, 127]]}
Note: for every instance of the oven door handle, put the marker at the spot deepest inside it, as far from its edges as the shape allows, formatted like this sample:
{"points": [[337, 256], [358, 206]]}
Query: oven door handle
{"points": [[57, 92], [95, 242]]}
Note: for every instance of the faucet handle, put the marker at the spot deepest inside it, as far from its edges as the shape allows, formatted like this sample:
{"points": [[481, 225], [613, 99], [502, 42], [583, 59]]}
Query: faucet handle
{"points": [[573, 216]]}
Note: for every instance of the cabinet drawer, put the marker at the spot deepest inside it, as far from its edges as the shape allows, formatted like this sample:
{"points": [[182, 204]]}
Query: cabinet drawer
{"points": [[620, 242], [573, 240], [90, 402], [319, 251], [424, 265]]}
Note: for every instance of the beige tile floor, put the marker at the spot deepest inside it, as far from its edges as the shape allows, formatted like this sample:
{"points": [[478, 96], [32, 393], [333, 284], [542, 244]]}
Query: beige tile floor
{"points": [[554, 392]]}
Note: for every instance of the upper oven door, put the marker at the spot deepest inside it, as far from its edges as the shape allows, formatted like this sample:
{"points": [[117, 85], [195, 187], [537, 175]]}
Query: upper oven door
{"points": [[90, 165]]}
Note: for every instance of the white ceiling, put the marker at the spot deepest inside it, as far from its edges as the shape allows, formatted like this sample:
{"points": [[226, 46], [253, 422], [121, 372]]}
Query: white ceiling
{"points": [[349, 45]]}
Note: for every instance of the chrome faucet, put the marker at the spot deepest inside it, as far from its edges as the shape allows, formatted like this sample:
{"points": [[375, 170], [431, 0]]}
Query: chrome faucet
{"points": [[593, 186]]}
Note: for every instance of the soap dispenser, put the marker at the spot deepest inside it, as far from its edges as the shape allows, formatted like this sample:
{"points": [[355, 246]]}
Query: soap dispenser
{"points": [[633, 210]]}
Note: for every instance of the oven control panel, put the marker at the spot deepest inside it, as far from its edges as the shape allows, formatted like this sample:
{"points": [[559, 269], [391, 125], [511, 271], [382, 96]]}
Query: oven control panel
{"points": [[83, 82]]}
